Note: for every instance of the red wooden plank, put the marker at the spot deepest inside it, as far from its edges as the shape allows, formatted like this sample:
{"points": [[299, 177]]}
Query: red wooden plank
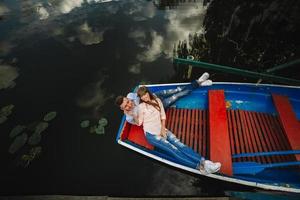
{"points": [[180, 123], [168, 115], [235, 135], [245, 133], [173, 120], [200, 132], [273, 139], [204, 143], [196, 131], [281, 144], [257, 143], [284, 139], [192, 136], [288, 120], [260, 135], [230, 132], [240, 133], [183, 136], [188, 125], [267, 139], [176, 122], [218, 131], [252, 141]]}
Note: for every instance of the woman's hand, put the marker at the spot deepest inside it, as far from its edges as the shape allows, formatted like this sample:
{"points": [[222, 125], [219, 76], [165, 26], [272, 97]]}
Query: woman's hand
{"points": [[163, 132]]}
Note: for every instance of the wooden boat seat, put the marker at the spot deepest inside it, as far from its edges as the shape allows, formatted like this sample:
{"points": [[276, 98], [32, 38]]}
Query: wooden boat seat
{"points": [[288, 121], [136, 135], [219, 141]]}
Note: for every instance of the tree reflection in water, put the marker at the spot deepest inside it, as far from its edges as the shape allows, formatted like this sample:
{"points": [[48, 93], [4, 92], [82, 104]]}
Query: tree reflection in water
{"points": [[247, 35]]}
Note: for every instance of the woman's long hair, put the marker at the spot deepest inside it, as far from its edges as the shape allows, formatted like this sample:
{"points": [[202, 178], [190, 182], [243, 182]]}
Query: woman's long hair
{"points": [[142, 91]]}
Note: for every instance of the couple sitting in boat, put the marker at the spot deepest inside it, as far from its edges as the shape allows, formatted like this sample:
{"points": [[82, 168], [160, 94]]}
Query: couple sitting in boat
{"points": [[147, 109]]}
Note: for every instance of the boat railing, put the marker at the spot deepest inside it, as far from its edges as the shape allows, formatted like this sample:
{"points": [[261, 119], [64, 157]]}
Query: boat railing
{"points": [[243, 72]]}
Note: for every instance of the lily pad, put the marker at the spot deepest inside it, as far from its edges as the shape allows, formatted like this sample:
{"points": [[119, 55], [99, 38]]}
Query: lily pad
{"points": [[93, 129], [16, 130], [50, 116], [18, 143], [35, 151], [6, 110], [2, 119], [103, 122], [41, 127], [35, 138], [26, 157], [100, 130], [32, 126], [85, 124]]}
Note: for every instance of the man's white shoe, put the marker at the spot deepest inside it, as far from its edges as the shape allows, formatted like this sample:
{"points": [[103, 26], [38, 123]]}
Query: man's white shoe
{"points": [[203, 77], [209, 167], [206, 83]]}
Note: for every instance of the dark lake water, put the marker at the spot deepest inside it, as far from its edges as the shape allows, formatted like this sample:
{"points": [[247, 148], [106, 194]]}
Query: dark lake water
{"points": [[75, 56]]}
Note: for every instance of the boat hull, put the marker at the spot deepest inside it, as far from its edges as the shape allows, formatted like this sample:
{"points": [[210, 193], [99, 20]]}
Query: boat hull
{"points": [[244, 102]]}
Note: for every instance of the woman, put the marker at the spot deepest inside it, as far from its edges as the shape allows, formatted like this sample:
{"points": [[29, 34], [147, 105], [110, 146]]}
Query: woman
{"points": [[152, 115]]}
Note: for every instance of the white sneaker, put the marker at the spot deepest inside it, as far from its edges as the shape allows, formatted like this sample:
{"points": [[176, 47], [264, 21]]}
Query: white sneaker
{"points": [[203, 77], [206, 83], [209, 167]]}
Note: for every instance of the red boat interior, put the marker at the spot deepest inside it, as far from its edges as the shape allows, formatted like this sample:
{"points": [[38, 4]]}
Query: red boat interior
{"points": [[219, 132]]}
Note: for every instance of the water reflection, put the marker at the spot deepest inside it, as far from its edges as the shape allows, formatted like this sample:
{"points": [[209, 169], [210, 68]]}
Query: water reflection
{"points": [[267, 36], [76, 56], [87, 36], [3, 11]]}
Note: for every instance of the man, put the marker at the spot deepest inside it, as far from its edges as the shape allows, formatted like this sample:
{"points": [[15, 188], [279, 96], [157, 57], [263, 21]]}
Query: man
{"points": [[129, 104]]}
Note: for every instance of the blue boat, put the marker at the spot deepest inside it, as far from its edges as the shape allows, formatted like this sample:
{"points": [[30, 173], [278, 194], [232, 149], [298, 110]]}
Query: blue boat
{"points": [[253, 130]]}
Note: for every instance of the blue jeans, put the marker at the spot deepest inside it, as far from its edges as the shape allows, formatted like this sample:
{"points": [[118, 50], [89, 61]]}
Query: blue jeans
{"points": [[172, 146], [168, 97]]}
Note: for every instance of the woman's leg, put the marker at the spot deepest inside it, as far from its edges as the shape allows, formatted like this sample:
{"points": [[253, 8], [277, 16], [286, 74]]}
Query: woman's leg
{"points": [[167, 102], [168, 97], [183, 148], [163, 144]]}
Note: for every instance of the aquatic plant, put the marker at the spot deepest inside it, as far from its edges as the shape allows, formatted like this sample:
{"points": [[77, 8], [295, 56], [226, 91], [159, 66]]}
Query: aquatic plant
{"points": [[85, 124], [6, 110], [17, 130], [7, 76], [103, 122], [3, 119], [41, 127], [34, 152], [93, 129], [35, 138], [50, 116], [32, 126], [19, 142], [100, 130]]}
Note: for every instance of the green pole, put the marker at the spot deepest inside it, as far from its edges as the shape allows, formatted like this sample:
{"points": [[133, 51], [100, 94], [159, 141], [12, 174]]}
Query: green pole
{"points": [[278, 67], [237, 71]]}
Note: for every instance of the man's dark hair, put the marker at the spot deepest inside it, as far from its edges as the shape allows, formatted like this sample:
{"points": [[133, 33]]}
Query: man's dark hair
{"points": [[119, 100]]}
